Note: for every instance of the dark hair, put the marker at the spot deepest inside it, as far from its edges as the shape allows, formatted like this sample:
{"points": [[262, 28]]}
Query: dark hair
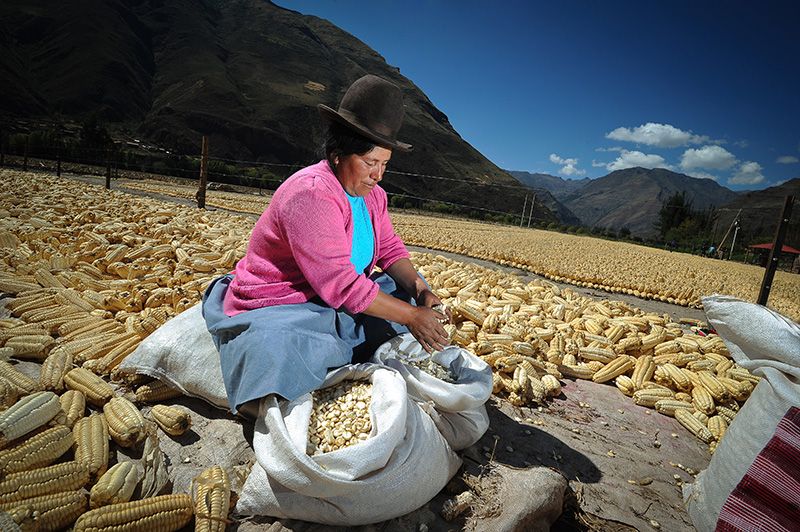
{"points": [[341, 141]]}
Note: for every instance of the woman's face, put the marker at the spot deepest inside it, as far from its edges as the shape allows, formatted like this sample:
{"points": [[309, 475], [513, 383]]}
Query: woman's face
{"points": [[359, 174]]}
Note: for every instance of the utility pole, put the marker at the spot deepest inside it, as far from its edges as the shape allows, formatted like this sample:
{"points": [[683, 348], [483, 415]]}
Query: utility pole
{"points": [[775, 252], [530, 214], [201, 191], [522, 217]]}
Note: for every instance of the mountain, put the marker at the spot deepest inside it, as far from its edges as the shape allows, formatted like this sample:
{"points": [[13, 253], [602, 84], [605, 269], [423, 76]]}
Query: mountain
{"points": [[557, 186], [632, 198], [247, 73], [761, 211]]}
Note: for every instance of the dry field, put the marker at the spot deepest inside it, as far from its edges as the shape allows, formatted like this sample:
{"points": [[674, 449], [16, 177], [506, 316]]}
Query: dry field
{"points": [[91, 273]]}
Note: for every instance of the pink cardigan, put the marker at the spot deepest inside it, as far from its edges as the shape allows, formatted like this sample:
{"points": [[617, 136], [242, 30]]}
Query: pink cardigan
{"points": [[300, 247]]}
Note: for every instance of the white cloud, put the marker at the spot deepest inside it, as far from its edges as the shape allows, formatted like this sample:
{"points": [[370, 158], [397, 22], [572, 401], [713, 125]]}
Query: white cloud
{"points": [[598, 164], [630, 159], [787, 159], [661, 135], [702, 175], [741, 143], [709, 157], [613, 148], [748, 173], [779, 183], [570, 165]]}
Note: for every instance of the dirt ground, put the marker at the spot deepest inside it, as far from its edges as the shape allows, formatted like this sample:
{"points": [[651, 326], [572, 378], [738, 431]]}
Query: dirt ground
{"points": [[624, 463]]}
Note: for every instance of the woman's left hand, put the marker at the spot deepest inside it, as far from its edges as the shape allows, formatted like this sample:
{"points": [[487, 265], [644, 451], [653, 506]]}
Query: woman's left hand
{"points": [[426, 298]]}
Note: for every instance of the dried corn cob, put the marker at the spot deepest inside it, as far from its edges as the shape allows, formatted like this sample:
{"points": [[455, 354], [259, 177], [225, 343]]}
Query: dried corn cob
{"points": [[40, 450], [20, 380], [669, 406], [726, 413], [740, 390], [125, 422], [577, 371], [683, 396], [27, 414], [701, 417], [212, 500], [56, 511], [31, 347], [164, 512], [91, 443], [156, 391], [693, 425], [97, 391], [625, 385], [678, 377], [43, 481], [702, 400], [8, 394], [649, 397], [599, 354], [115, 486], [620, 365], [452, 508], [552, 385], [172, 420], [717, 425], [643, 371], [741, 374], [55, 366], [73, 405], [714, 387]]}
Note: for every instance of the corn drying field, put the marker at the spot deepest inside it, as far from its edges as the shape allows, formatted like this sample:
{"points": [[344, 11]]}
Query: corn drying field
{"points": [[91, 273]]}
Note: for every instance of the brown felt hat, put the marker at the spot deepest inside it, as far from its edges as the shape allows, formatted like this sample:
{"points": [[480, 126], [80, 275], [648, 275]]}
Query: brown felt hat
{"points": [[372, 107]]}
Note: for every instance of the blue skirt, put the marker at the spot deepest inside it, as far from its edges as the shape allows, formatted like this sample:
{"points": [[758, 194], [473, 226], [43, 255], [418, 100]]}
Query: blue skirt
{"points": [[289, 349]]}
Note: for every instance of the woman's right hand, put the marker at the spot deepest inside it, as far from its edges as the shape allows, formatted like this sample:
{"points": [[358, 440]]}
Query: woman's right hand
{"points": [[426, 326]]}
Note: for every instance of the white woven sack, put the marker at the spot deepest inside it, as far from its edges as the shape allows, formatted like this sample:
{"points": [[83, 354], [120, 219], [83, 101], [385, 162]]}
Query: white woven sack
{"points": [[767, 344], [182, 353], [402, 466], [462, 418]]}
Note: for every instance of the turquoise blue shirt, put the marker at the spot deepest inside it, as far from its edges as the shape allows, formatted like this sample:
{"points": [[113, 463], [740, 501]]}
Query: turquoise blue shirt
{"points": [[363, 236]]}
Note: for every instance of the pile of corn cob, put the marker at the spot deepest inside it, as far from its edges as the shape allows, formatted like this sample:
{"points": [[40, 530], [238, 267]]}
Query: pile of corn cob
{"points": [[535, 334], [232, 201], [584, 261], [42, 488]]}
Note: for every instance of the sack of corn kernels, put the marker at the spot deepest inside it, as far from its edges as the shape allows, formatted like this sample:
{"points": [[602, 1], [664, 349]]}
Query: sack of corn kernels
{"points": [[350, 453], [454, 380], [182, 353], [768, 345]]}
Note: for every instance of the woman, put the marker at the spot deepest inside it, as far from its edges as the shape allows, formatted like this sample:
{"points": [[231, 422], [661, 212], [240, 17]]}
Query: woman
{"points": [[303, 298]]}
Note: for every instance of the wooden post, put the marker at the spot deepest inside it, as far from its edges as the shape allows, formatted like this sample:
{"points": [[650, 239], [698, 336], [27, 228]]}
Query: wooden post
{"points": [[201, 191], [522, 216], [108, 170], [775, 252], [25, 159], [530, 214]]}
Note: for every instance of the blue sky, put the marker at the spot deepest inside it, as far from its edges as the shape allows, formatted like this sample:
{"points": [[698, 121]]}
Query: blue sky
{"points": [[579, 89]]}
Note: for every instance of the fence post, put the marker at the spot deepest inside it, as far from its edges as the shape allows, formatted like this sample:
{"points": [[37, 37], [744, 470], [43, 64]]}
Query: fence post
{"points": [[201, 191], [108, 170], [775, 252], [530, 214], [25, 159]]}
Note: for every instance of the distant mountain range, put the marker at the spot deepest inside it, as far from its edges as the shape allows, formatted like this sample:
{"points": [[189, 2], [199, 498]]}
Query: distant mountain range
{"points": [[627, 198], [557, 186]]}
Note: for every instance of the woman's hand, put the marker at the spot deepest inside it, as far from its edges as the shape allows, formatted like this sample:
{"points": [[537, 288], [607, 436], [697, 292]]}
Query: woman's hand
{"points": [[426, 326], [426, 298]]}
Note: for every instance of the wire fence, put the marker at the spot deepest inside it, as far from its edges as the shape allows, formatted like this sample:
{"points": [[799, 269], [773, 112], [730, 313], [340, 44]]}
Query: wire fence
{"points": [[748, 225]]}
